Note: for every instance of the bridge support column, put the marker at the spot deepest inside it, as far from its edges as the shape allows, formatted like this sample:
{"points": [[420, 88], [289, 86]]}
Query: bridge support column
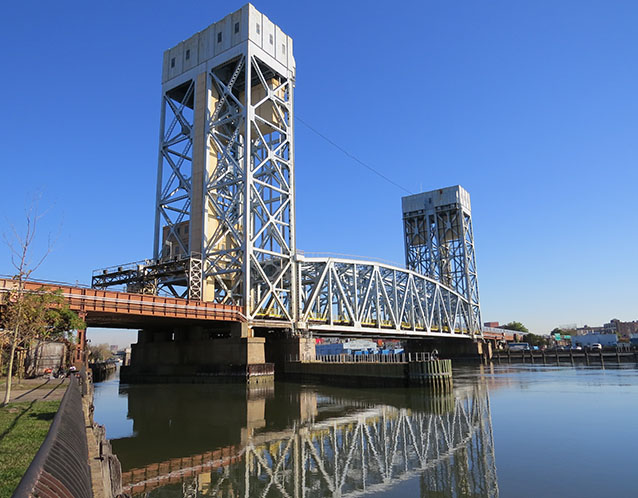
{"points": [[282, 347], [80, 353], [225, 352], [452, 348]]}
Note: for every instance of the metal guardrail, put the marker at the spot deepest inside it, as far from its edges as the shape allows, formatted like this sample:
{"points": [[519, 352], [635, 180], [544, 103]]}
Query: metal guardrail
{"points": [[60, 467], [364, 259], [370, 358]]}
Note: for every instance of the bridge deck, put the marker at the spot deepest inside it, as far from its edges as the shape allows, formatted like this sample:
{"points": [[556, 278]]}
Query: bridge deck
{"points": [[122, 309]]}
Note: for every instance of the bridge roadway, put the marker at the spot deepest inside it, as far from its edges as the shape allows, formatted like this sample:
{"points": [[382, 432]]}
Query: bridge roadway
{"points": [[367, 449], [105, 308]]}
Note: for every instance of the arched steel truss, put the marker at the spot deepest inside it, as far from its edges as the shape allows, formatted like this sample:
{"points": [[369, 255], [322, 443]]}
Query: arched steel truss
{"points": [[345, 295]]}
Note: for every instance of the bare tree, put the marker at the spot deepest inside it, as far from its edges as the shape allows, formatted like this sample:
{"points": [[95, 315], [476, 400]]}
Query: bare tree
{"points": [[28, 315]]}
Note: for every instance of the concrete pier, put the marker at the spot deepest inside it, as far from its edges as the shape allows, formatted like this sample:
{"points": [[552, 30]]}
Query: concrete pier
{"points": [[432, 373], [456, 349], [227, 352]]}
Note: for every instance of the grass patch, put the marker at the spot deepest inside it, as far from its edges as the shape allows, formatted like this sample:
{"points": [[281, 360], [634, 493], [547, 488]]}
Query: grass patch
{"points": [[23, 427]]}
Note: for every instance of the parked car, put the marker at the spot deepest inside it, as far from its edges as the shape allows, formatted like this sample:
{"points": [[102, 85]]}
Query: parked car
{"points": [[596, 346]]}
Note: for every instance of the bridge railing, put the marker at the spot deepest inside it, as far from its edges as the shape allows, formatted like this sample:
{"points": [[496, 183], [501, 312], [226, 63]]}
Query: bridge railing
{"points": [[369, 358]]}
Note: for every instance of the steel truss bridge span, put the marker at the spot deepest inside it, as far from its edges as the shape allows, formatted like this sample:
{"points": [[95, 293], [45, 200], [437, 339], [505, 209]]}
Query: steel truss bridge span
{"points": [[340, 296]]}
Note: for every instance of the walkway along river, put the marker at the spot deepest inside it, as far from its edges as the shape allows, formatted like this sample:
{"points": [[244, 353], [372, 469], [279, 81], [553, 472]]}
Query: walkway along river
{"points": [[509, 430]]}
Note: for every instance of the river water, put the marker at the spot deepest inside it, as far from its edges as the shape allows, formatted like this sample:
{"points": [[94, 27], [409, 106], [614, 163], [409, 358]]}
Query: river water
{"points": [[507, 430]]}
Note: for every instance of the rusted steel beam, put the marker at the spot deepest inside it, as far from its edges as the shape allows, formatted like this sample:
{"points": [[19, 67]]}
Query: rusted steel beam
{"points": [[106, 302]]}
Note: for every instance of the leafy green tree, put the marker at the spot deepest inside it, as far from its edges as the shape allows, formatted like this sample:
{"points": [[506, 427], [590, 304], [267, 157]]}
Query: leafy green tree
{"points": [[516, 326], [99, 352], [536, 340]]}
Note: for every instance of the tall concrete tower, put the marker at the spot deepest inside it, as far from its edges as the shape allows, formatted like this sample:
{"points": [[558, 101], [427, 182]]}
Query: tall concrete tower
{"points": [[225, 184], [439, 242]]}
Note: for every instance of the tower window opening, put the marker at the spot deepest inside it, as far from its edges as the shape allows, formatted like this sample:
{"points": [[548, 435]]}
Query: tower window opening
{"points": [[236, 27], [188, 54], [219, 37], [270, 38], [173, 62], [258, 28], [283, 48]]}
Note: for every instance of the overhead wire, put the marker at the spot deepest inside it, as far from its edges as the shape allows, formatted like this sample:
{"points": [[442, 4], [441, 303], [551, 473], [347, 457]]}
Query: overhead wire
{"points": [[351, 156]]}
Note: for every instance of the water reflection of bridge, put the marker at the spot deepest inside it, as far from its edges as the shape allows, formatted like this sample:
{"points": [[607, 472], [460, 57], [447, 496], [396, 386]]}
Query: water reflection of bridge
{"points": [[343, 447]]}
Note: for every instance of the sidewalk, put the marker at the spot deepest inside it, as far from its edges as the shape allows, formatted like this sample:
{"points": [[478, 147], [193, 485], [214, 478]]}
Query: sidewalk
{"points": [[40, 389]]}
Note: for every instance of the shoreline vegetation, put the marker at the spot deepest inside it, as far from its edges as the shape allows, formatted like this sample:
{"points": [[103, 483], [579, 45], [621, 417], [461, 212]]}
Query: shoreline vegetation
{"points": [[23, 427]]}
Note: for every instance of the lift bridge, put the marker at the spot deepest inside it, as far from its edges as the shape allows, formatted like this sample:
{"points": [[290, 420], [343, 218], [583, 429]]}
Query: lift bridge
{"points": [[225, 207]]}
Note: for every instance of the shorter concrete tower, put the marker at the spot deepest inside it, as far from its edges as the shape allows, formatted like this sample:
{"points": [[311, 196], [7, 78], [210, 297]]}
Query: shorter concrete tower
{"points": [[439, 242]]}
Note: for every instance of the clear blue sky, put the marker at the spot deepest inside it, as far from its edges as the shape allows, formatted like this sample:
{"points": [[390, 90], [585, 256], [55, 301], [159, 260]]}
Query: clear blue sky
{"points": [[529, 105]]}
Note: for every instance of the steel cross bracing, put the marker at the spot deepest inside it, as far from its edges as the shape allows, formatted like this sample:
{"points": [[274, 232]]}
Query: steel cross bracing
{"points": [[250, 196], [178, 277], [450, 450], [173, 196], [361, 296], [440, 245]]}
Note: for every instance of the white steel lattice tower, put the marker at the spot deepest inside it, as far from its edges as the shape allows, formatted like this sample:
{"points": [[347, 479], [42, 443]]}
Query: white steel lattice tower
{"points": [[439, 243], [225, 189]]}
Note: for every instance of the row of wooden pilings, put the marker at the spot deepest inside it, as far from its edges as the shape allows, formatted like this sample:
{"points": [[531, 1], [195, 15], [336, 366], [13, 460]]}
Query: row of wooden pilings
{"points": [[433, 373], [571, 356]]}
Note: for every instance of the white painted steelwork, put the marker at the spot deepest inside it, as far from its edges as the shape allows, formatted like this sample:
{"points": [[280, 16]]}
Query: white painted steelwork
{"points": [[439, 242], [342, 295], [225, 175], [225, 207]]}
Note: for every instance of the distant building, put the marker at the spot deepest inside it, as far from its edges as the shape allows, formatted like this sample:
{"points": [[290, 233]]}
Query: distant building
{"points": [[600, 338], [623, 329], [615, 326], [493, 325], [349, 347], [586, 330]]}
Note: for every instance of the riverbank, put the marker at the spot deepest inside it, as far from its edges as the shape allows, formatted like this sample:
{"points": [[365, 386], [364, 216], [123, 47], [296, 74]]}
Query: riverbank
{"points": [[23, 427]]}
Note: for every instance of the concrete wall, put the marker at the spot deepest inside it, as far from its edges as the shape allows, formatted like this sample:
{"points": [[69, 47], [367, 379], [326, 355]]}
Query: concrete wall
{"points": [[280, 349], [197, 355], [455, 349], [349, 373], [45, 355], [217, 41]]}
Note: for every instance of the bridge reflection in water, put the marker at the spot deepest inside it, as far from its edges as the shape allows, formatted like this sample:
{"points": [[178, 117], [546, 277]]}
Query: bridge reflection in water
{"points": [[294, 441]]}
